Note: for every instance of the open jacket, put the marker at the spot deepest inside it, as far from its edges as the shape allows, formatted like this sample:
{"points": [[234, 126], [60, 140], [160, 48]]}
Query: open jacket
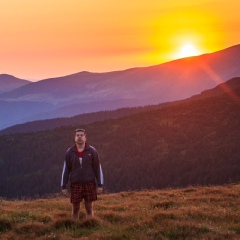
{"points": [[82, 172]]}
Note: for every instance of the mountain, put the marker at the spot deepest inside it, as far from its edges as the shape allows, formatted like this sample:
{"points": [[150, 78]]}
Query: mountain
{"points": [[9, 83], [41, 125], [228, 87], [13, 112], [195, 142], [70, 110], [82, 92], [86, 118]]}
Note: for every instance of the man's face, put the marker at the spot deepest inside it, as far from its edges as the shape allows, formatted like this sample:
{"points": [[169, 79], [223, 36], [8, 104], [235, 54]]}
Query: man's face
{"points": [[80, 137]]}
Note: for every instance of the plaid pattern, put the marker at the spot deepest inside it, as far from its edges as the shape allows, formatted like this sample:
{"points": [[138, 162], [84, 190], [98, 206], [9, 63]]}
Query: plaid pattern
{"points": [[87, 191]]}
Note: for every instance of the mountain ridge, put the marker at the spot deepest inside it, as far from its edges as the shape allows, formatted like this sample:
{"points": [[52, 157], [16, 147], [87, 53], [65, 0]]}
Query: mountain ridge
{"points": [[10, 83], [142, 86], [41, 125]]}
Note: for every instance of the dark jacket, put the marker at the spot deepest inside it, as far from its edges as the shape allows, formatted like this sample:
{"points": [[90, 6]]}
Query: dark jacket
{"points": [[89, 171]]}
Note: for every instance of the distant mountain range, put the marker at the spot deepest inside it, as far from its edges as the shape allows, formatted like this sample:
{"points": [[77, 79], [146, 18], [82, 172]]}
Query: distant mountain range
{"points": [[87, 118], [9, 83], [87, 92], [192, 142]]}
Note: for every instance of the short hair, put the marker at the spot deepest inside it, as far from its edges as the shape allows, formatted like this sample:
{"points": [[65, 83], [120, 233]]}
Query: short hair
{"points": [[80, 130]]}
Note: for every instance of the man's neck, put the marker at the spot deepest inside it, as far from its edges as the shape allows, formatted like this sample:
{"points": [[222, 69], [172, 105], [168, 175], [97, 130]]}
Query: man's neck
{"points": [[80, 147]]}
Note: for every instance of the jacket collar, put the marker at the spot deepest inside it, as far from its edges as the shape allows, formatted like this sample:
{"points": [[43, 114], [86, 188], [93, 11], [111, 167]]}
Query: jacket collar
{"points": [[73, 148]]}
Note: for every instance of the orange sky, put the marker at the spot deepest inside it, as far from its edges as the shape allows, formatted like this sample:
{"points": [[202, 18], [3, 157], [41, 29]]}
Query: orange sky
{"points": [[49, 38]]}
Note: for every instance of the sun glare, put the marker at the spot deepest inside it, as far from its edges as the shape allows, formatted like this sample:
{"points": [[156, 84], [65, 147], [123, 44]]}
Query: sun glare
{"points": [[188, 50]]}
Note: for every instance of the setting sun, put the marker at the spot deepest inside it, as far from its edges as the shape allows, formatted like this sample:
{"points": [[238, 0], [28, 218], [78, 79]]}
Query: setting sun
{"points": [[56, 38], [188, 50]]}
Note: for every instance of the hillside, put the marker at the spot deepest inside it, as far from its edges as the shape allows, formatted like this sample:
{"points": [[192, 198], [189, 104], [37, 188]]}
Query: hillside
{"points": [[192, 143], [42, 125], [9, 83], [23, 109], [87, 118], [87, 92], [170, 214], [182, 78]]}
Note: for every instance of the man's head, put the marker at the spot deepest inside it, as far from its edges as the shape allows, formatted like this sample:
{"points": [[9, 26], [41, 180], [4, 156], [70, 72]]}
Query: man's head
{"points": [[80, 136]]}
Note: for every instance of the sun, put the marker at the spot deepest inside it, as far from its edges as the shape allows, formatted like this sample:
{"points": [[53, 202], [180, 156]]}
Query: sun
{"points": [[188, 50]]}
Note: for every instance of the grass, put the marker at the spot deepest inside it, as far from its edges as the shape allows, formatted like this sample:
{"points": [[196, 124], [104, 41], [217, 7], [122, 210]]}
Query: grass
{"points": [[188, 213]]}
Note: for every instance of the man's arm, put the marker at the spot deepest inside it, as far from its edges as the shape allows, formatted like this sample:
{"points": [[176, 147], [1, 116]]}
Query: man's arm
{"points": [[65, 175], [97, 169]]}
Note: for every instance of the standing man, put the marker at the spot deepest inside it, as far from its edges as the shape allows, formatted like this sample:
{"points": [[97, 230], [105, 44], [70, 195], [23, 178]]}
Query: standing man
{"points": [[82, 168]]}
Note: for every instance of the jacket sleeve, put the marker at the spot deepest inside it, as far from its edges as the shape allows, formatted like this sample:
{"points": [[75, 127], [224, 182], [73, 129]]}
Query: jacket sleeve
{"points": [[65, 172], [97, 168]]}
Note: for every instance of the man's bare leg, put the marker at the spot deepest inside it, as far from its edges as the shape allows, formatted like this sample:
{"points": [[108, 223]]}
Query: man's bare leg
{"points": [[89, 209], [75, 210]]}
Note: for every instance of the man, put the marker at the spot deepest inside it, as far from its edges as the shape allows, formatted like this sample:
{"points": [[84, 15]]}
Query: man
{"points": [[83, 168]]}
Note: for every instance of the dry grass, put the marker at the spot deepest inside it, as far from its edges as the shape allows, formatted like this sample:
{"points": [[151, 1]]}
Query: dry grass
{"points": [[189, 213]]}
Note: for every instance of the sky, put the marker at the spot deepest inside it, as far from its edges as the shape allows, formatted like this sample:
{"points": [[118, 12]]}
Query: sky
{"points": [[50, 38]]}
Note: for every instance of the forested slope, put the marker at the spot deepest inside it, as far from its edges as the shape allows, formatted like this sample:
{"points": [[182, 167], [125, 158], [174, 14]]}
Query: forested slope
{"points": [[193, 143]]}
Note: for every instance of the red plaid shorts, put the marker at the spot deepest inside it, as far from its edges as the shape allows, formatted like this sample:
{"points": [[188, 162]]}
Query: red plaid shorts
{"points": [[87, 191]]}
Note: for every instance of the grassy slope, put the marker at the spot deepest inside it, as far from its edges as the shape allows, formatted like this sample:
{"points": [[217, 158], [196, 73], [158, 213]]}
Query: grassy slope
{"points": [[188, 213]]}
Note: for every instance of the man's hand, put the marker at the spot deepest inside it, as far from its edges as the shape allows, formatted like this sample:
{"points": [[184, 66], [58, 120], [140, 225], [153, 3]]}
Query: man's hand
{"points": [[65, 192], [99, 190]]}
